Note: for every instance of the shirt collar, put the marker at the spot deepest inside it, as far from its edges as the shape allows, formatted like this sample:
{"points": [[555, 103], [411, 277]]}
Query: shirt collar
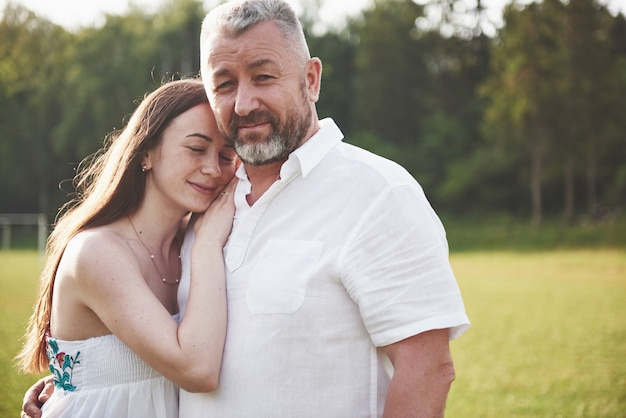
{"points": [[307, 156], [315, 149]]}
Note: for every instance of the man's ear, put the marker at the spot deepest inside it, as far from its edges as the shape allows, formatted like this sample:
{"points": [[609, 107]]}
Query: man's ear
{"points": [[314, 78]]}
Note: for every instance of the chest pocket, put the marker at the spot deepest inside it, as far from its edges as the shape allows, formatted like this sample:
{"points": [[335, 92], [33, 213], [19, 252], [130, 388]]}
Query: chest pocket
{"points": [[279, 281]]}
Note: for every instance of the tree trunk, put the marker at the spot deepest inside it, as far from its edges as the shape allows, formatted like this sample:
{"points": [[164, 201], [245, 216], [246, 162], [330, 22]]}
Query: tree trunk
{"points": [[568, 190], [590, 162], [536, 173], [592, 199]]}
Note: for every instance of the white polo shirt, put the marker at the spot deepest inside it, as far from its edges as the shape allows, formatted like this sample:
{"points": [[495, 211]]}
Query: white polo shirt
{"points": [[342, 255]]}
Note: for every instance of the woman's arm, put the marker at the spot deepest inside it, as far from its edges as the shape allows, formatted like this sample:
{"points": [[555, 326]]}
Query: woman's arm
{"points": [[189, 354]]}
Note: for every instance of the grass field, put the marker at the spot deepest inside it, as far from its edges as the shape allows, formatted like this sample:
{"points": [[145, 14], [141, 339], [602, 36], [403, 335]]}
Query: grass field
{"points": [[548, 336], [19, 272]]}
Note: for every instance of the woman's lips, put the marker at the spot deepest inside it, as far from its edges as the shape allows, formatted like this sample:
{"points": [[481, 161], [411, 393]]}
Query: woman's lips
{"points": [[207, 190]]}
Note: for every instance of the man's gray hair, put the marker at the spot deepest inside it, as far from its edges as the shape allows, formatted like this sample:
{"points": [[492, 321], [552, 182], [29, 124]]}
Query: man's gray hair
{"points": [[233, 18]]}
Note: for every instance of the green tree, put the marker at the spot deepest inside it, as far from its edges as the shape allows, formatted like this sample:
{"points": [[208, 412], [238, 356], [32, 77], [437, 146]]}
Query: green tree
{"points": [[62, 92], [415, 88], [388, 68], [614, 176], [523, 89], [32, 57], [112, 67], [453, 111], [592, 94], [177, 25], [337, 51]]}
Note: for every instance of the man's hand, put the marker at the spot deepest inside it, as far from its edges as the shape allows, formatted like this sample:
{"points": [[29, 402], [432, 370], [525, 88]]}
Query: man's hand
{"points": [[36, 396]]}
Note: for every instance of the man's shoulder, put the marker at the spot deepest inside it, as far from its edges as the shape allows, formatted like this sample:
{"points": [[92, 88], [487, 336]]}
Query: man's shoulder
{"points": [[368, 165]]}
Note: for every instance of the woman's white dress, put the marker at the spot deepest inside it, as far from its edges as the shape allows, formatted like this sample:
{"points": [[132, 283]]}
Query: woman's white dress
{"points": [[102, 378]]}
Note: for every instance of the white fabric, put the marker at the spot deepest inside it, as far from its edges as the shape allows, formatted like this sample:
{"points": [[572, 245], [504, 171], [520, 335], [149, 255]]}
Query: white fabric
{"points": [[111, 382], [340, 256]]}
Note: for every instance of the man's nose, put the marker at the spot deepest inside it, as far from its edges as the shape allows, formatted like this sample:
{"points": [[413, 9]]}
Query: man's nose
{"points": [[247, 99]]}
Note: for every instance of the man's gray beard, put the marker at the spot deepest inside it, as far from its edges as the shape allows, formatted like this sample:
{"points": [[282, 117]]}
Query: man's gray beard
{"points": [[273, 149], [280, 143]]}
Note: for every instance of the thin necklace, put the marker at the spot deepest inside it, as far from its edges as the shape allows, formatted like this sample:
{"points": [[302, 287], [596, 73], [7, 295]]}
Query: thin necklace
{"points": [[163, 279]]}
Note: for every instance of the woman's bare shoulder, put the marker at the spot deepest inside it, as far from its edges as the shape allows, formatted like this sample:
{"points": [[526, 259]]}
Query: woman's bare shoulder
{"points": [[97, 251]]}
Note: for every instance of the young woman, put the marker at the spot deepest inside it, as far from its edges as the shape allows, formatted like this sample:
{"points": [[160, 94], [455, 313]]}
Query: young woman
{"points": [[105, 323]]}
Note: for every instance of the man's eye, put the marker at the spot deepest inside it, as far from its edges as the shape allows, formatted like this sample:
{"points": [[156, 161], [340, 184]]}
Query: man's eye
{"points": [[224, 85]]}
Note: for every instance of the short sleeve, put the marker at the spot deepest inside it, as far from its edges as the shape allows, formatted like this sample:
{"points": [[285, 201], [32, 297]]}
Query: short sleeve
{"points": [[395, 266]]}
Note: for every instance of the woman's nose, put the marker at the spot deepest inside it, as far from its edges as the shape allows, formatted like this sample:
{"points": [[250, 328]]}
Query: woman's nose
{"points": [[211, 167]]}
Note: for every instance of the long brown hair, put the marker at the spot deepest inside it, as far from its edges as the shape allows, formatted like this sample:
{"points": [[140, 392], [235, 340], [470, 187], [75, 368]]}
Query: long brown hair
{"points": [[108, 186]]}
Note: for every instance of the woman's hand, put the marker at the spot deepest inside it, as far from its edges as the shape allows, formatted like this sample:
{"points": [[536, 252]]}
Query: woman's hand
{"points": [[216, 222]]}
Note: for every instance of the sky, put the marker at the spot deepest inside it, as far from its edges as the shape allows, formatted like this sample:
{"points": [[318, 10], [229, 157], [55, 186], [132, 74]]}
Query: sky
{"points": [[73, 14], [77, 13]]}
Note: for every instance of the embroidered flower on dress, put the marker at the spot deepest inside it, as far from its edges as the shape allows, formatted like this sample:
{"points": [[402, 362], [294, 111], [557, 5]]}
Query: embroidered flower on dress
{"points": [[61, 365]]}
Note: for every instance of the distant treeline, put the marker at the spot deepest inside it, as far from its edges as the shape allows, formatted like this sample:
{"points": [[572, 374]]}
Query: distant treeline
{"points": [[530, 122]]}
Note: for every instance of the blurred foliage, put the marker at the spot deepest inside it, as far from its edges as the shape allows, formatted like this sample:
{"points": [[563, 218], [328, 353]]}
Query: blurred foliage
{"points": [[502, 232], [528, 123]]}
